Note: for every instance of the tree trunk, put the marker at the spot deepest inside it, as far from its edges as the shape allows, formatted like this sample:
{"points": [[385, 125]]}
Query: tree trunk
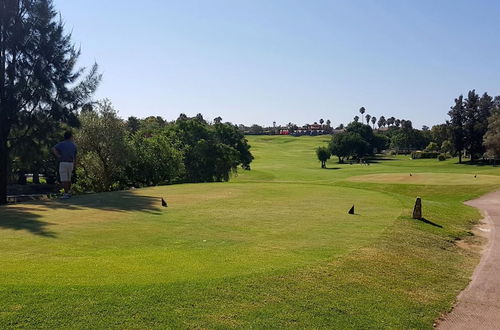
{"points": [[460, 157], [36, 177], [4, 170]]}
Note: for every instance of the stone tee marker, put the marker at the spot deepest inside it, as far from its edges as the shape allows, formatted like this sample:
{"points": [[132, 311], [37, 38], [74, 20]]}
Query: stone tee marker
{"points": [[417, 209]]}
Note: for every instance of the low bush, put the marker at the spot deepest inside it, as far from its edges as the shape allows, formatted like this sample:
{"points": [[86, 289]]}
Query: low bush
{"points": [[424, 154], [441, 157]]}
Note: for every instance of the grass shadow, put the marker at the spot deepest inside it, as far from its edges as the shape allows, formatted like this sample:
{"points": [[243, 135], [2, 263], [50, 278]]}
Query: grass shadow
{"points": [[28, 216], [477, 163], [20, 219], [430, 222]]}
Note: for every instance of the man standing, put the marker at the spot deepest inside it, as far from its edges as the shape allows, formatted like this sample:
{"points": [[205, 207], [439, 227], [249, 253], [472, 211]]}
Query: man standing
{"points": [[65, 152]]}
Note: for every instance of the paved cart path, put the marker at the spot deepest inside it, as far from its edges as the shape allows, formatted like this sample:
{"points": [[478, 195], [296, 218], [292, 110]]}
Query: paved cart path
{"points": [[478, 306]]}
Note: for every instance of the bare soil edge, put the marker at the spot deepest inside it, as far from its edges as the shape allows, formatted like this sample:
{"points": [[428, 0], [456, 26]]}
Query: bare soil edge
{"points": [[485, 229]]}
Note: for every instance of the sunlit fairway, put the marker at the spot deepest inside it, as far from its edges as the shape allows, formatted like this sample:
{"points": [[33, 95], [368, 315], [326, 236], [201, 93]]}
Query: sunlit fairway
{"points": [[274, 247]]}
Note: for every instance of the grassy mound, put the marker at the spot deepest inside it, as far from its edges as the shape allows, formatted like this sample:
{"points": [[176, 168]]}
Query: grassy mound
{"points": [[443, 179]]}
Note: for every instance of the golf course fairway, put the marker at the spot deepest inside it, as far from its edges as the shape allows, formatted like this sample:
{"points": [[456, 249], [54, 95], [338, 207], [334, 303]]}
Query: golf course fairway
{"points": [[274, 247]]}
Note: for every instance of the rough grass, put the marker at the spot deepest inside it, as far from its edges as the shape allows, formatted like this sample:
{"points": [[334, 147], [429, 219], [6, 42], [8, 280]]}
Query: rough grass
{"points": [[273, 248]]}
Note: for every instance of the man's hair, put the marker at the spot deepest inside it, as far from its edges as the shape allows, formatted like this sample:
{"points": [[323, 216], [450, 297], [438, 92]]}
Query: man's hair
{"points": [[68, 135]]}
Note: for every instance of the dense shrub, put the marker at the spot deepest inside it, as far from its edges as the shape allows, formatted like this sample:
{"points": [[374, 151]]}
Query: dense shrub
{"points": [[154, 161], [424, 154], [441, 157]]}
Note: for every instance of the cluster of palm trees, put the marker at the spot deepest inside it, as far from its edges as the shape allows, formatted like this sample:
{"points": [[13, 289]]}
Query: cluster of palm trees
{"points": [[328, 122], [382, 121]]}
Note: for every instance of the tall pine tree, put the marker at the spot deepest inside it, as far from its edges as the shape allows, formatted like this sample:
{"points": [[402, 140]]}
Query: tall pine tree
{"points": [[38, 77], [472, 136], [457, 122]]}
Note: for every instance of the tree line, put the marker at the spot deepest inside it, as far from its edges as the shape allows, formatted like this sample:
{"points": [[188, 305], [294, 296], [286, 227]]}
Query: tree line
{"points": [[115, 153], [473, 130], [43, 94]]}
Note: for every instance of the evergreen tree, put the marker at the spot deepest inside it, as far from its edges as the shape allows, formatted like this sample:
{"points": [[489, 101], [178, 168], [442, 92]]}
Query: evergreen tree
{"points": [[457, 121], [472, 137], [485, 109], [37, 72]]}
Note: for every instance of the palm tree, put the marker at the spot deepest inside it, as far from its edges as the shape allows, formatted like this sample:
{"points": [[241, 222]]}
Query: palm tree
{"points": [[321, 121], [381, 122], [356, 118], [374, 120], [368, 119], [390, 121], [362, 111], [328, 122], [397, 122]]}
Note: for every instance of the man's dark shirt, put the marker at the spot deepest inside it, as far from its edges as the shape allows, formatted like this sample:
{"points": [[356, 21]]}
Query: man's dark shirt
{"points": [[67, 150]]}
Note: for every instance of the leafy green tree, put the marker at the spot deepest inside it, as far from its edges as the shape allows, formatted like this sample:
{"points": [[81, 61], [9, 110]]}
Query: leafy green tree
{"points": [[230, 135], [103, 150], [38, 77], [457, 122], [447, 147], [432, 147], [133, 124], [256, 129], [363, 130], [441, 133], [211, 152], [154, 161], [380, 142], [348, 144], [407, 138], [218, 120], [323, 154]]}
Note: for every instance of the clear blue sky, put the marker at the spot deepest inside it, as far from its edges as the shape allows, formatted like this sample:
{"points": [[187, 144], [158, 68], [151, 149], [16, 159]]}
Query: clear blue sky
{"points": [[257, 61]]}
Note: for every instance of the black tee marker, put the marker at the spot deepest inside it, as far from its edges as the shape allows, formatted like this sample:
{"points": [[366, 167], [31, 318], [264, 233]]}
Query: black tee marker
{"points": [[163, 203], [351, 211]]}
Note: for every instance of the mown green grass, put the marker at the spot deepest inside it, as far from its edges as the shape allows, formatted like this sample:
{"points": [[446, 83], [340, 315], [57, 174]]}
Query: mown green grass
{"points": [[275, 247]]}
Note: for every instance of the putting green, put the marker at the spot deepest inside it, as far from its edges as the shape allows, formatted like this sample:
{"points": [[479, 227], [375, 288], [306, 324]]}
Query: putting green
{"points": [[428, 178]]}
